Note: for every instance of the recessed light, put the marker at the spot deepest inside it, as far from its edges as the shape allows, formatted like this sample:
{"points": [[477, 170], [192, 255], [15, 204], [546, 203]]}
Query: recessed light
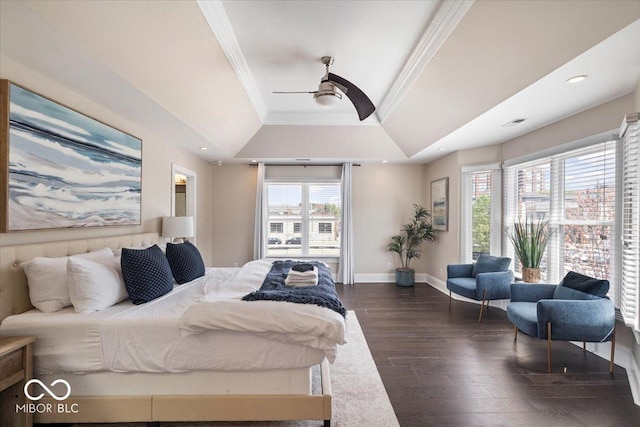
{"points": [[384, 161], [441, 148], [203, 148], [577, 79]]}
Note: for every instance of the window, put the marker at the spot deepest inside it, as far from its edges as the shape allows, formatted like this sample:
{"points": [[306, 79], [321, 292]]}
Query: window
{"points": [[324, 227], [629, 294], [310, 216], [276, 227], [576, 192], [481, 227]]}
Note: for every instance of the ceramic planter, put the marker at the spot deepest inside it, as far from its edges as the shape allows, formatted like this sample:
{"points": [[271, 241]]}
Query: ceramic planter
{"points": [[405, 277]]}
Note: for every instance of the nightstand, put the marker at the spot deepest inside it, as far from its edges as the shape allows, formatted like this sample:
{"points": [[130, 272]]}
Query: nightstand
{"points": [[16, 365]]}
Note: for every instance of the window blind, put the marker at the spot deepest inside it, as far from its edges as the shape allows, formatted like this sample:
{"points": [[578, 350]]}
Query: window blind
{"points": [[481, 223], [576, 192], [303, 218], [630, 233], [527, 194]]}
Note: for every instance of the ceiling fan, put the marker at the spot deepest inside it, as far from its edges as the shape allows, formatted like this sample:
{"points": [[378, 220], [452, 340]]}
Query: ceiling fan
{"points": [[332, 87]]}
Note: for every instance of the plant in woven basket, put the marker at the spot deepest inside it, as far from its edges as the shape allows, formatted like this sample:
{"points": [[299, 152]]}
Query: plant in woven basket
{"points": [[529, 239]]}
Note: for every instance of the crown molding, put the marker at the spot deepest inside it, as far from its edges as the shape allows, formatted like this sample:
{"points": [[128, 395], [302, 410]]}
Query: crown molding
{"points": [[214, 13], [322, 118], [447, 18]]}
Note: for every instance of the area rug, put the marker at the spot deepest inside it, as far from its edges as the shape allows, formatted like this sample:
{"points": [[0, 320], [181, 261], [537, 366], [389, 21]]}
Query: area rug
{"points": [[359, 396]]}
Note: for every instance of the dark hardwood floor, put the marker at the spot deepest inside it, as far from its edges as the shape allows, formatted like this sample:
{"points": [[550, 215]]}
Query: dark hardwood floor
{"points": [[443, 368]]}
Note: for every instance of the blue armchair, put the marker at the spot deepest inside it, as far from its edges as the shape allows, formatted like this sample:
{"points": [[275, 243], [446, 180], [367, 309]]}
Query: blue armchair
{"points": [[575, 310], [489, 278]]}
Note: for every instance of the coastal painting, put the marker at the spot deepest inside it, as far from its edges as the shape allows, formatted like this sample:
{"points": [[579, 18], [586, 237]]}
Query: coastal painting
{"points": [[440, 204], [64, 169]]}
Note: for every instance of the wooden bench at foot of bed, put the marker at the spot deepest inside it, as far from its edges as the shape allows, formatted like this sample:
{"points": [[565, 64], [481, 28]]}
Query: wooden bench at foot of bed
{"points": [[113, 409]]}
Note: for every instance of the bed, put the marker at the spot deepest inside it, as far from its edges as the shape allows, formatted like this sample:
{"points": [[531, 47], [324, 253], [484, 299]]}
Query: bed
{"points": [[256, 375]]}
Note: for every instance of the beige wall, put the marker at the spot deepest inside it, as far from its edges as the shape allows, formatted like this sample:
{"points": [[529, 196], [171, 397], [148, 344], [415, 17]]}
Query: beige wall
{"points": [[157, 156], [383, 198], [446, 249], [233, 189], [607, 116]]}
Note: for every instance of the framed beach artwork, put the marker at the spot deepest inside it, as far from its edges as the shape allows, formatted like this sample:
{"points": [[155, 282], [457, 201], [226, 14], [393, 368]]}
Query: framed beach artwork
{"points": [[440, 204], [62, 169]]}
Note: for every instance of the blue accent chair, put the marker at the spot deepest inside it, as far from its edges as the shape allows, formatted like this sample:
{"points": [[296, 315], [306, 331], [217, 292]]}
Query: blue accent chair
{"points": [[489, 278], [575, 310]]}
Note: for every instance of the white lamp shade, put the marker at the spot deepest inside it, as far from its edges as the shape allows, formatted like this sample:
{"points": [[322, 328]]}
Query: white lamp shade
{"points": [[177, 226]]}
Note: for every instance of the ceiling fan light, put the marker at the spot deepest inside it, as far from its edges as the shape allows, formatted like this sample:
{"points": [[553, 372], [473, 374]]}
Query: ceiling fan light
{"points": [[327, 99]]}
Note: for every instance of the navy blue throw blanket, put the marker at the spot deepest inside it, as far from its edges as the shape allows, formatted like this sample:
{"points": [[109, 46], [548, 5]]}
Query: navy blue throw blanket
{"points": [[273, 288]]}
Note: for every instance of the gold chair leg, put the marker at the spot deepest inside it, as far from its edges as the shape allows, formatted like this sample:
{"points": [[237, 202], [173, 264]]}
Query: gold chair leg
{"points": [[549, 347], [484, 296], [515, 333], [584, 346], [449, 300], [613, 350]]}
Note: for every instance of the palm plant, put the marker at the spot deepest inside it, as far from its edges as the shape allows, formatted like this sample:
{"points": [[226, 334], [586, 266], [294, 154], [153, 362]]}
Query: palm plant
{"points": [[419, 230], [529, 241]]}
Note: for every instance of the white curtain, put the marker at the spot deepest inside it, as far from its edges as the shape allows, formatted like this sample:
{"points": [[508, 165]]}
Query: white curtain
{"points": [[259, 234], [345, 270]]}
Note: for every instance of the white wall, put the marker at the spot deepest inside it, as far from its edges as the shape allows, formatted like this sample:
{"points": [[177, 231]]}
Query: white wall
{"points": [[157, 156]]}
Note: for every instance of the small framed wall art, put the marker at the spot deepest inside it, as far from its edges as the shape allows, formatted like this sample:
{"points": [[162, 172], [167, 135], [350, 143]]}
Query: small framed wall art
{"points": [[440, 204], [62, 169]]}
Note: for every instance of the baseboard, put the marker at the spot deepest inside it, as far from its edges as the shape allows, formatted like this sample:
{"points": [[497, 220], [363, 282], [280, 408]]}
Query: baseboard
{"points": [[385, 278], [623, 357]]}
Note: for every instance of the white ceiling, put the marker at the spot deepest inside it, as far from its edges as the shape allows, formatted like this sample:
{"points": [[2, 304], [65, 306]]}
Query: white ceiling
{"points": [[442, 74]]}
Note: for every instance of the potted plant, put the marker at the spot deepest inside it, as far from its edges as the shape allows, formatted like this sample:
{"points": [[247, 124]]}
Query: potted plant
{"points": [[529, 241], [407, 243]]}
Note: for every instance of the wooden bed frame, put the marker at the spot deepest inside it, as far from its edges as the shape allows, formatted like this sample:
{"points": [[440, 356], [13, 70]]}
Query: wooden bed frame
{"points": [[14, 299]]}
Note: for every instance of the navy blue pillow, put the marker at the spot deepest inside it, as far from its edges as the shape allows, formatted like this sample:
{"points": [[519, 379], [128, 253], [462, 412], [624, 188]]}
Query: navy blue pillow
{"points": [[586, 284], [185, 261], [146, 273], [490, 264]]}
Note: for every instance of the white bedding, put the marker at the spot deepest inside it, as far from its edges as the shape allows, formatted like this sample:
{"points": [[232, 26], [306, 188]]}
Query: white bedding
{"points": [[222, 309], [147, 338], [201, 325]]}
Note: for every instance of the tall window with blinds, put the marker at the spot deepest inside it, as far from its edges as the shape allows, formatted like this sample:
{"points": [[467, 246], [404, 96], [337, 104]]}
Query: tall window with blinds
{"points": [[630, 234], [576, 193], [303, 219], [481, 204]]}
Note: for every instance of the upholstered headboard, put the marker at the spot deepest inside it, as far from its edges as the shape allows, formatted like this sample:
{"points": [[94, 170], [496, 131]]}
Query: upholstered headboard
{"points": [[14, 293]]}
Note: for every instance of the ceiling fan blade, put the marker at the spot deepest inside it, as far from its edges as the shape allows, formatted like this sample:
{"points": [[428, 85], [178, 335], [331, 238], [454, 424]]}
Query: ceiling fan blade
{"points": [[294, 92], [363, 104]]}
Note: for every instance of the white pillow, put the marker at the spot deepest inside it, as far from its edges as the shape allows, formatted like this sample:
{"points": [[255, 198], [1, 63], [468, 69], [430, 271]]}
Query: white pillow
{"points": [[94, 285], [145, 245], [47, 279]]}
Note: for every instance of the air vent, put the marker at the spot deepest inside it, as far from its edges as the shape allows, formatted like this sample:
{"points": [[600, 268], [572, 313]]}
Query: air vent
{"points": [[303, 160], [513, 123]]}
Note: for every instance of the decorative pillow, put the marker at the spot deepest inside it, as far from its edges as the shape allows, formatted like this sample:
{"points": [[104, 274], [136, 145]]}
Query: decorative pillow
{"points": [[490, 264], [145, 245], [146, 273], [581, 283], [94, 286], [185, 261], [47, 279]]}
